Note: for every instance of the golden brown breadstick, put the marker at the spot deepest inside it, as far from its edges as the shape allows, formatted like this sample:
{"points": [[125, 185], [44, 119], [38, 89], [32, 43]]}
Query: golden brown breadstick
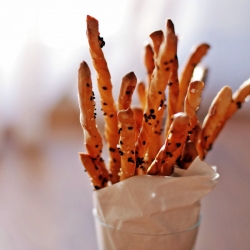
{"points": [[149, 61], [174, 142], [138, 116], [156, 89], [97, 176], [192, 103], [196, 55], [216, 112], [189, 153], [126, 91], [239, 97], [157, 39], [173, 93], [142, 94], [157, 139], [127, 143], [93, 139], [107, 100], [195, 136]]}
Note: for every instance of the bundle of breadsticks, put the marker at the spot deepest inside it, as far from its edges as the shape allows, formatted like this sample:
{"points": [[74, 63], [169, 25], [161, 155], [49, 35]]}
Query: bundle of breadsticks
{"points": [[164, 132]]}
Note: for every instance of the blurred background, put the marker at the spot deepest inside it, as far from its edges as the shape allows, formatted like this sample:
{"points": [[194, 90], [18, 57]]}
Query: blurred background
{"points": [[45, 195]]}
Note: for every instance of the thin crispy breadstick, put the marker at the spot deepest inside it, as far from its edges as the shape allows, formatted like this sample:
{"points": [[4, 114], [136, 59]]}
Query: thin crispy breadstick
{"points": [[174, 142], [189, 153], [127, 143], [157, 39], [173, 93], [126, 91], [93, 139], [192, 103], [195, 136], [107, 100], [156, 139], [96, 174], [239, 97], [149, 61], [216, 112], [142, 94], [138, 116], [197, 54], [156, 89]]}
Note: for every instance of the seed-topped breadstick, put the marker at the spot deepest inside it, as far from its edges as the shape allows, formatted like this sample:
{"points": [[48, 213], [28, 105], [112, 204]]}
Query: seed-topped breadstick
{"points": [[157, 39], [216, 112], [239, 97], [138, 116], [173, 93], [93, 139], [127, 143], [156, 89], [106, 96], [175, 140], [126, 91], [197, 54], [95, 173], [192, 103], [189, 153], [157, 138], [142, 94], [195, 136]]}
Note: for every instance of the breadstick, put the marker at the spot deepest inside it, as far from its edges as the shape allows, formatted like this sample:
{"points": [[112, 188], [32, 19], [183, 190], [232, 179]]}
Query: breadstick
{"points": [[97, 176], [107, 100], [195, 136], [142, 94], [189, 153], [157, 139], [138, 116], [149, 64], [156, 89], [127, 143], [157, 39], [126, 91], [239, 97], [216, 112], [93, 139], [175, 140], [192, 103], [195, 57], [173, 93], [149, 61]]}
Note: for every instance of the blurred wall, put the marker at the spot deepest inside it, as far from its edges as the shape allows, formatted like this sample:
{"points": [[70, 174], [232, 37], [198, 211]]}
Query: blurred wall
{"points": [[43, 42]]}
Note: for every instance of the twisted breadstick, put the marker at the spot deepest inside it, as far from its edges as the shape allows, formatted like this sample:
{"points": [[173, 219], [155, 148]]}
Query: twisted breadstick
{"points": [[107, 100], [173, 93], [187, 73], [157, 39], [93, 139], [172, 147], [189, 153], [138, 116], [127, 143], [96, 174], [216, 112], [127, 90], [156, 89], [239, 97], [192, 103]]}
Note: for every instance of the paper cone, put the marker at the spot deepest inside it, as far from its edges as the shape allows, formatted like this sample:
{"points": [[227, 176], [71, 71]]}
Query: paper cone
{"points": [[153, 212]]}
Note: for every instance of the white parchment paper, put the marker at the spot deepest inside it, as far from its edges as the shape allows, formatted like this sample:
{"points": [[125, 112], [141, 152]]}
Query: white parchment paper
{"points": [[153, 212]]}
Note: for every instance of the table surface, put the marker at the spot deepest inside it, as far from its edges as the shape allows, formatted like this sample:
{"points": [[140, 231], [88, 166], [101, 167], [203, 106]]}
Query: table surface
{"points": [[46, 197]]}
